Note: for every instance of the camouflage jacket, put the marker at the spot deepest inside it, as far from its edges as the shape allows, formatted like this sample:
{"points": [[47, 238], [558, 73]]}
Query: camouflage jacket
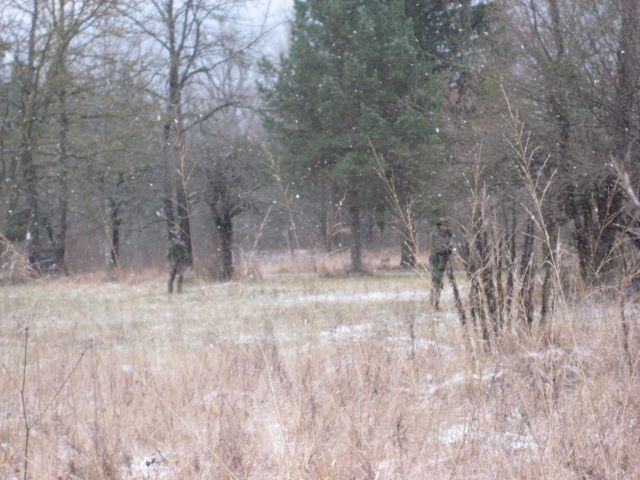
{"points": [[441, 243], [178, 253]]}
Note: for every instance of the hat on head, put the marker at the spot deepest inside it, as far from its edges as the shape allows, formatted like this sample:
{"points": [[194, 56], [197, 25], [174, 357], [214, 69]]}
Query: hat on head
{"points": [[442, 221]]}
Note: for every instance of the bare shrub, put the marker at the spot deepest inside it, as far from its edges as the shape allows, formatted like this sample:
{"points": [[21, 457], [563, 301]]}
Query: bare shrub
{"points": [[14, 263]]}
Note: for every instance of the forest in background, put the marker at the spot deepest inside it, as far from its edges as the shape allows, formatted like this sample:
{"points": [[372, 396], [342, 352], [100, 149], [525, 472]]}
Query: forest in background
{"points": [[125, 125], [519, 120]]}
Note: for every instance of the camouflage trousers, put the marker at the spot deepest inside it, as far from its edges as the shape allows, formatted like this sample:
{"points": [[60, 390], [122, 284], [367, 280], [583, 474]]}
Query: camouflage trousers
{"points": [[176, 273], [439, 263]]}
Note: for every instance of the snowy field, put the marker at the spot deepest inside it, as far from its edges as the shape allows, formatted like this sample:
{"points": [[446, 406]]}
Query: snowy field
{"points": [[302, 378]]}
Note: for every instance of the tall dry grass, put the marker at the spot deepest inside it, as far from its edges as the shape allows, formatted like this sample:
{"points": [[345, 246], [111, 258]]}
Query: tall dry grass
{"points": [[317, 375], [304, 378]]}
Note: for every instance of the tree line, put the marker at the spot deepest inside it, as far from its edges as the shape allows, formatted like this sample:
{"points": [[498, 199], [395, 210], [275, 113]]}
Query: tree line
{"points": [[121, 117]]}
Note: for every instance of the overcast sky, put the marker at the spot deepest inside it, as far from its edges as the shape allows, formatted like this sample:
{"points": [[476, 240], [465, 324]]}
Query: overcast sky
{"points": [[278, 13]]}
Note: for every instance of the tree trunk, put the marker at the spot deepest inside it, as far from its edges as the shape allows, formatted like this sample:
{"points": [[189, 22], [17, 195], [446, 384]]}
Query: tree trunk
{"points": [[9, 188], [498, 258], [114, 234], [114, 205], [484, 272], [114, 254], [63, 204], [356, 234], [549, 265], [579, 210], [626, 109], [610, 200], [27, 135], [184, 217], [368, 229], [176, 202], [168, 176], [323, 218], [224, 225], [526, 274], [511, 245], [31, 186]]}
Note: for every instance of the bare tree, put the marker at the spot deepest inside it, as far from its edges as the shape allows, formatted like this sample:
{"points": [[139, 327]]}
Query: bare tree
{"points": [[189, 38], [50, 35], [231, 159], [574, 71]]}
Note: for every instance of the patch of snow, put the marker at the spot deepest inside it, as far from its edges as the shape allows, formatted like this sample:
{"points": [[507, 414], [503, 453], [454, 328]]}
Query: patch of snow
{"points": [[454, 434], [383, 467], [515, 441], [126, 368], [489, 375], [458, 432], [585, 353], [276, 434], [456, 379], [150, 465], [343, 333], [247, 338], [421, 343], [552, 352], [459, 378], [370, 297]]}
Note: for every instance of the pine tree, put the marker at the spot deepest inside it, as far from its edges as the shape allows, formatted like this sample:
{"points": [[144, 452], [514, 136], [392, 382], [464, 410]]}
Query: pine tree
{"points": [[355, 78]]}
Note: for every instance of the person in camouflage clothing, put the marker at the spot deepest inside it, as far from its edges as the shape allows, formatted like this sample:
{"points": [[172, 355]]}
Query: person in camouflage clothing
{"points": [[441, 248], [178, 259]]}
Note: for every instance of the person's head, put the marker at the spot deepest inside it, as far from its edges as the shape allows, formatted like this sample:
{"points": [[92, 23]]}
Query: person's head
{"points": [[174, 233], [442, 224]]}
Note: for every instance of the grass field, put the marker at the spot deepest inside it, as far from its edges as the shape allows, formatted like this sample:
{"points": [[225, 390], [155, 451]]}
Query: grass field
{"points": [[303, 377]]}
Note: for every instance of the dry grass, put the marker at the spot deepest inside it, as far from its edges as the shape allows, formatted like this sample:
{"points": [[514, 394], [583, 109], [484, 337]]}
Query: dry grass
{"points": [[335, 263], [303, 377]]}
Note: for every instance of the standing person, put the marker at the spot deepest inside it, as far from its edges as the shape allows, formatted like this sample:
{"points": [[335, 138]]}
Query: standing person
{"points": [[178, 258], [439, 258]]}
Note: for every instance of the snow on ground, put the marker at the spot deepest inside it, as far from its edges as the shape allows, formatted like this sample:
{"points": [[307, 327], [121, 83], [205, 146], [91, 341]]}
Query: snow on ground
{"points": [[163, 313], [457, 379], [345, 333], [150, 465], [420, 343], [454, 434], [461, 432], [347, 298]]}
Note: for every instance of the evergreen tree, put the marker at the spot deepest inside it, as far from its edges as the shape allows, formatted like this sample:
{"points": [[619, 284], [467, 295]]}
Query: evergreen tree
{"points": [[355, 78]]}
